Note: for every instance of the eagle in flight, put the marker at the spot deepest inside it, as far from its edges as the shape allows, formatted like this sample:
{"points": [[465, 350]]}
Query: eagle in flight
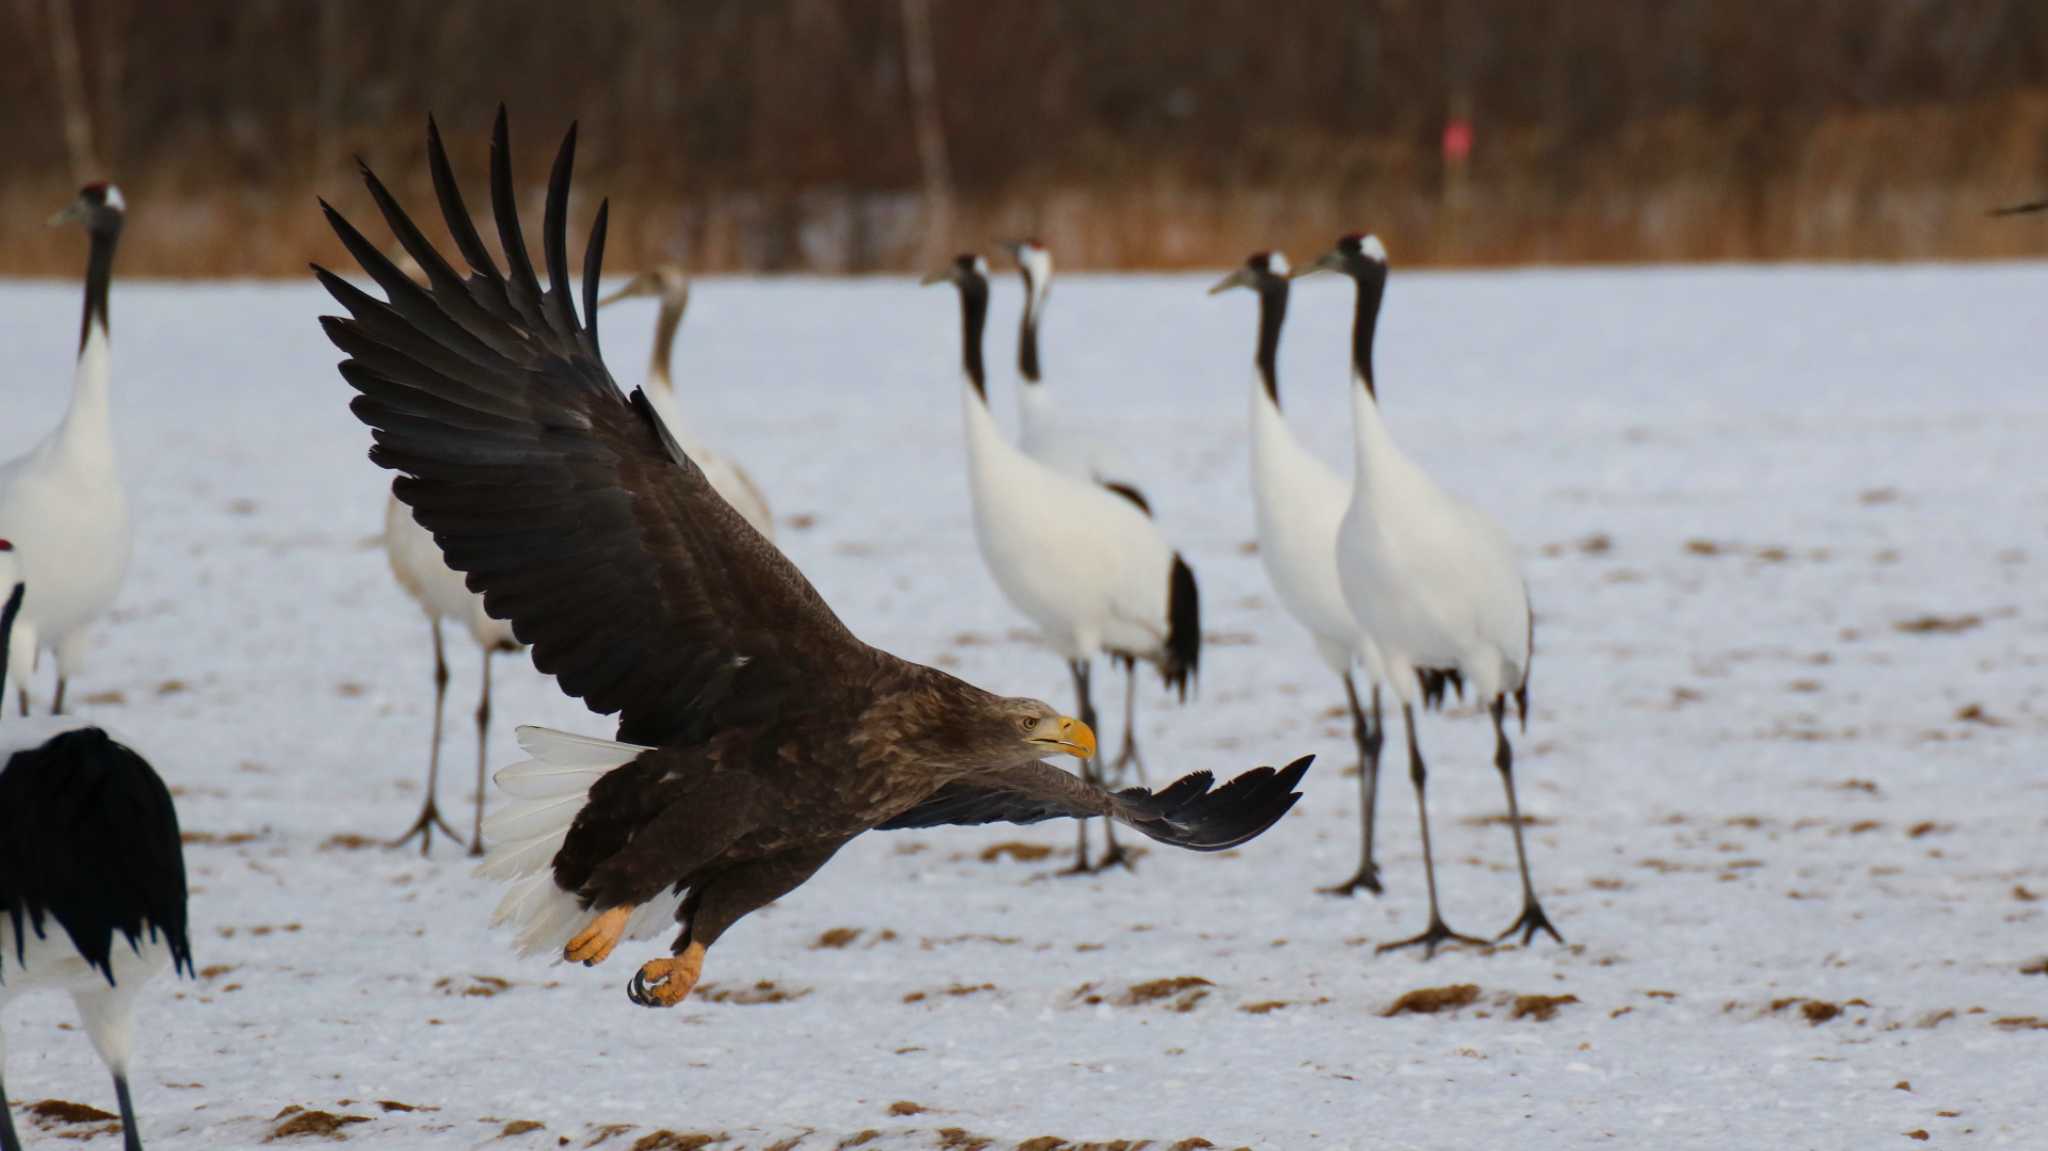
{"points": [[757, 735]]}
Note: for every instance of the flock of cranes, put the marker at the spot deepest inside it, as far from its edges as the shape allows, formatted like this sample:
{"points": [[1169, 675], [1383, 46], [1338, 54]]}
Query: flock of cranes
{"points": [[1406, 591]]}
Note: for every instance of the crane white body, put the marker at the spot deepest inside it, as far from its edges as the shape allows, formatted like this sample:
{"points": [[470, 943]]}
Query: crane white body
{"points": [[1434, 585], [1432, 580], [1298, 503], [62, 502], [1085, 565]]}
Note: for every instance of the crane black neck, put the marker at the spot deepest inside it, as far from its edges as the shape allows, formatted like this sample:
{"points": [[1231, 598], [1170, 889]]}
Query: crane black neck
{"points": [[973, 318], [7, 614], [1272, 313], [1372, 288], [1027, 335], [99, 272]]}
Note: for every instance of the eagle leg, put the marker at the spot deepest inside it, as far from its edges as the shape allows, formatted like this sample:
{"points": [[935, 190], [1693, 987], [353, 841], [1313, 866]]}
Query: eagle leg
{"points": [[593, 945], [667, 982]]}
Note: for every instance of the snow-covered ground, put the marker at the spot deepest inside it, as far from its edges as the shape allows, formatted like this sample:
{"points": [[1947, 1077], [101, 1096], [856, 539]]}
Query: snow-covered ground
{"points": [[1785, 531]]}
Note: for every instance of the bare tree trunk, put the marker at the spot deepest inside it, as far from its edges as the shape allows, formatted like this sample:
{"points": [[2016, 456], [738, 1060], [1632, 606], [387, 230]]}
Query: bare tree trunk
{"points": [[112, 75], [327, 82], [931, 131], [71, 91]]}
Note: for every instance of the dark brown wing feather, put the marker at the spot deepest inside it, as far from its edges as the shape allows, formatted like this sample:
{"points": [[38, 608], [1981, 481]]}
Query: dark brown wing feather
{"points": [[1187, 813], [565, 502]]}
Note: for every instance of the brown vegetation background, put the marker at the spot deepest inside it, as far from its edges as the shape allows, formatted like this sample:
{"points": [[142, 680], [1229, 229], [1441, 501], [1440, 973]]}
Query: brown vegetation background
{"points": [[855, 135]]}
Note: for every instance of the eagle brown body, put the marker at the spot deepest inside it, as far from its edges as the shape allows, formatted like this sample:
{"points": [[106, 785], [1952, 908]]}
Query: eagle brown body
{"points": [[756, 734]]}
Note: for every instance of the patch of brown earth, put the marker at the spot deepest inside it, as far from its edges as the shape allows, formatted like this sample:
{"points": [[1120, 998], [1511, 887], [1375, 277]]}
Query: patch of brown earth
{"points": [[1431, 1000], [349, 841], [52, 1112], [2021, 1023], [1541, 1008], [835, 938], [296, 1123], [521, 1127], [956, 1139], [1185, 991], [478, 987], [665, 1140], [765, 991], [957, 990], [1016, 849], [1939, 624]]}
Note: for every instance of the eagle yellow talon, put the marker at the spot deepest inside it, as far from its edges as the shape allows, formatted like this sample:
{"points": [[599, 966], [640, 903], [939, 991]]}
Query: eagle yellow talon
{"points": [[667, 982], [593, 945]]}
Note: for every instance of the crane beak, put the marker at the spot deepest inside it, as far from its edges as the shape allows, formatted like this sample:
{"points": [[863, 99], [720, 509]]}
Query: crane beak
{"points": [[76, 211], [631, 290], [942, 276], [1241, 278], [1065, 735], [1330, 261]]}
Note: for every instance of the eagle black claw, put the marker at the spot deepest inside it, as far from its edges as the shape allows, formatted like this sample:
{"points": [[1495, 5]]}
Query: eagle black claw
{"points": [[636, 990]]}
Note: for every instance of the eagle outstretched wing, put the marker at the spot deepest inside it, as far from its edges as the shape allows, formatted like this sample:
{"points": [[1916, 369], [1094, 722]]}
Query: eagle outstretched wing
{"points": [[562, 499], [1190, 812]]}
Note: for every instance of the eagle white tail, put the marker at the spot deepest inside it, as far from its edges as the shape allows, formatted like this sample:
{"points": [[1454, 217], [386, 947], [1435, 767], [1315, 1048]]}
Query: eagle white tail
{"points": [[524, 835]]}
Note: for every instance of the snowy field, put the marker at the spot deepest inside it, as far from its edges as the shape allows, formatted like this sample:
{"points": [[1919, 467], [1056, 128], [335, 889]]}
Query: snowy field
{"points": [[1785, 531]]}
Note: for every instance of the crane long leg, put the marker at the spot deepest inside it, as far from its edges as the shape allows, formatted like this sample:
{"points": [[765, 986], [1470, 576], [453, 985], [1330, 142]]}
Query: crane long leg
{"points": [[1532, 919], [1369, 733], [1129, 757], [1079, 670], [131, 1135], [1112, 854], [57, 704], [430, 813], [1437, 934], [21, 693], [483, 724], [9, 1141]]}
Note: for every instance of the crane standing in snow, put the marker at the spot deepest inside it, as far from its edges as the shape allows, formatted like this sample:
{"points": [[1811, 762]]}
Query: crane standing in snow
{"points": [[1434, 585], [1088, 566], [89, 848], [62, 501], [442, 593], [1299, 503]]}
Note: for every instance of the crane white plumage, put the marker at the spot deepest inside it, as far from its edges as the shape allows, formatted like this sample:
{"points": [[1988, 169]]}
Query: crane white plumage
{"points": [[89, 850], [1087, 566], [61, 502], [1066, 445], [671, 285], [442, 594], [1299, 502], [1434, 583]]}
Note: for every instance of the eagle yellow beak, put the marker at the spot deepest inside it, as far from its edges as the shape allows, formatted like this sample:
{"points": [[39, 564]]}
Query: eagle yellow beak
{"points": [[1067, 736]]}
